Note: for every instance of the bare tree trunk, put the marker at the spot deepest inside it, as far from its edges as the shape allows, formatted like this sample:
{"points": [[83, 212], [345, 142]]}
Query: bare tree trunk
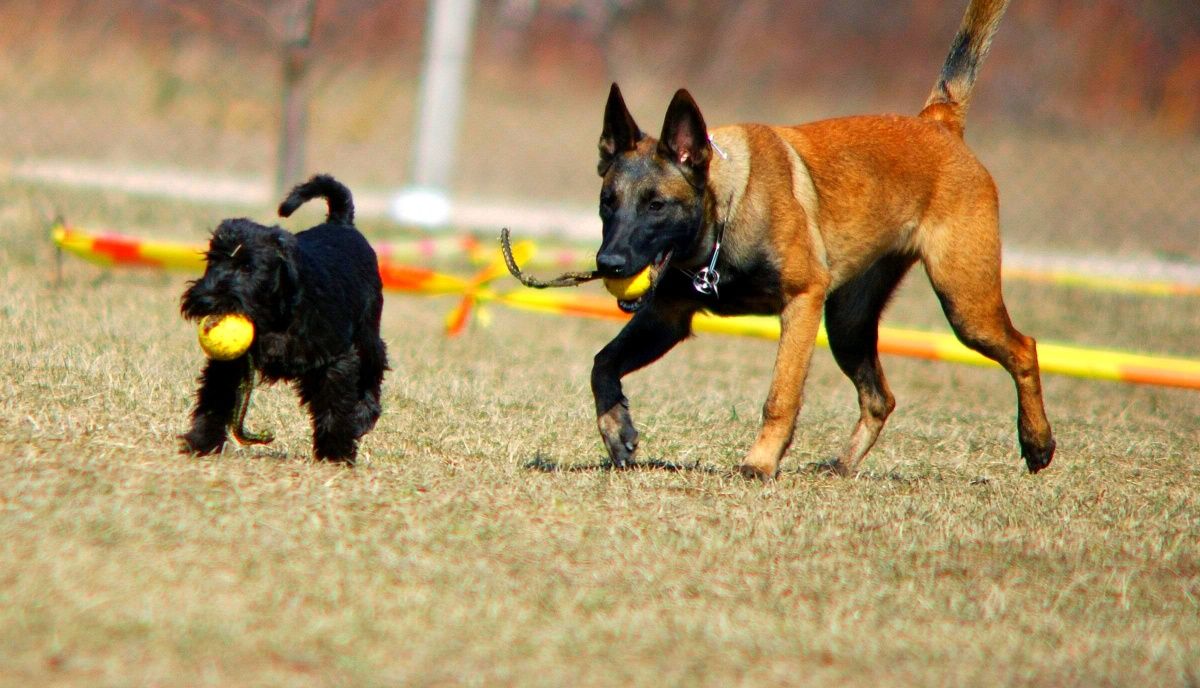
{"points": [[293, 129]]}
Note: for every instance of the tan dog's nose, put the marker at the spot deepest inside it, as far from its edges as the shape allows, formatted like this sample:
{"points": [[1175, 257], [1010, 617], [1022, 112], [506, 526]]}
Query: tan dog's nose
{"points": [[611, 263]]}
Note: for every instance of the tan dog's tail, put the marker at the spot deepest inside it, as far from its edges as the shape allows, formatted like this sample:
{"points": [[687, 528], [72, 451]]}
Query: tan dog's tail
{"points": [[952, 93]]}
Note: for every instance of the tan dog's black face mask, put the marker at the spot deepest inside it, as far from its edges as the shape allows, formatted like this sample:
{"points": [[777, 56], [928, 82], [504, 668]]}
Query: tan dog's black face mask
{"points": [[652, 197]]}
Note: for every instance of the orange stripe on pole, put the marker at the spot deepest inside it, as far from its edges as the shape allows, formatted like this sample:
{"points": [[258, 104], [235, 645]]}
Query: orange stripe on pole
{"points": [[1157, 376], [911, 348]]}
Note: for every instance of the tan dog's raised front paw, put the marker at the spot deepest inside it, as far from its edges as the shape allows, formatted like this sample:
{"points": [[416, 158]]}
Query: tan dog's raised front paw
{"points": [[619, 435]]}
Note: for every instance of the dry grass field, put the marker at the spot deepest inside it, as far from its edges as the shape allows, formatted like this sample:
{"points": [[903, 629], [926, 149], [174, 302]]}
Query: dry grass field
{"points": [[481, 541]]}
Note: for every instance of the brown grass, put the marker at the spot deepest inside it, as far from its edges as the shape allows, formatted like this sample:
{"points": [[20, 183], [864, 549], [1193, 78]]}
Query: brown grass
{"points": [[481, 542]]}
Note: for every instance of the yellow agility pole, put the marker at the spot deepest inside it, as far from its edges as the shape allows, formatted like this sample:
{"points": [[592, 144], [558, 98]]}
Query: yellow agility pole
{"points": [[106, 248], [1060, 359], [113, 249], [116, 249], [456, 320], [1122, 285], [567, 258]]}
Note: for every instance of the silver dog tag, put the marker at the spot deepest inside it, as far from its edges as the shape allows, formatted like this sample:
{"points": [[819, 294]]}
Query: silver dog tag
{"points": [[706, 280]]}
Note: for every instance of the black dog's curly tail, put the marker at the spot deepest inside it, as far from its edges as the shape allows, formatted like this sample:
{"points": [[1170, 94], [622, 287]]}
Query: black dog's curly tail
{"points": [[341, 203]]}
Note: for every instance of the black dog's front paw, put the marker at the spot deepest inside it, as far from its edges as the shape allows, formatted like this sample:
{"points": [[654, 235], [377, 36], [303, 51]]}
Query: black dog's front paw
{"points": [[199, 443], [618, 433], [337, 446]]}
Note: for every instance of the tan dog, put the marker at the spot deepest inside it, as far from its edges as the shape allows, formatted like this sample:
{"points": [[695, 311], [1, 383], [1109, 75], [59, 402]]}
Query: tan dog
{"points": [[790, 220]]}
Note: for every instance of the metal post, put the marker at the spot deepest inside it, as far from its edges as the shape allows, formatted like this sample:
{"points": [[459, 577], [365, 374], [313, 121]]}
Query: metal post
{"points": [[447, 53]]}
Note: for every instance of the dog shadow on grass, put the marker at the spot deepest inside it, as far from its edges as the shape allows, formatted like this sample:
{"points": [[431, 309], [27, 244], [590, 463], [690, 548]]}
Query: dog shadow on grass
{"points": [[544, 464], [821, 469]]}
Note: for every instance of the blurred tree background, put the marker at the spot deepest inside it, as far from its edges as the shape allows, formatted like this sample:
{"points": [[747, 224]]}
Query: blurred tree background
{"points": [[1087, 112]]}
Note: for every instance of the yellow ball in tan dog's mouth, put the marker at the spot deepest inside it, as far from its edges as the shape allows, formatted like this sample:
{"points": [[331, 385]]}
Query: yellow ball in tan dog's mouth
{"points": [[631, 292], [225, 337], [629, 288]]}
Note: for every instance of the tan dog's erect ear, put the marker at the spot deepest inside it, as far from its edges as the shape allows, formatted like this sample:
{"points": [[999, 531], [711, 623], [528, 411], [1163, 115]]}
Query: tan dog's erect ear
{"points": [[684, 139], [620, 133]]}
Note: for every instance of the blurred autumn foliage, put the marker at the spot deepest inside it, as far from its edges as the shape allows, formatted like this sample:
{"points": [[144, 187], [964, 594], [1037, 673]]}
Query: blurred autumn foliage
{"points": [[1056, 63], [1087, 113]]}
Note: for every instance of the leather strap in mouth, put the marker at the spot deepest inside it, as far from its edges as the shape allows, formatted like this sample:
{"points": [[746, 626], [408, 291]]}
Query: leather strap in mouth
{"points": [[662, 265], [567, 279]]}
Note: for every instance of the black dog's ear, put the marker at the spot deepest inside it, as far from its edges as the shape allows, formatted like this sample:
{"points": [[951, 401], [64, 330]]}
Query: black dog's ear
{"points": [[620, 133], [684, 139], [284, 243], [227, 236], [287, 276]]}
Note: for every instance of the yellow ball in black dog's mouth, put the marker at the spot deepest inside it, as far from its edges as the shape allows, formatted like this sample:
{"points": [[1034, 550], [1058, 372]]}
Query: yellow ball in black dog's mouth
{"points": [[225, 337]]}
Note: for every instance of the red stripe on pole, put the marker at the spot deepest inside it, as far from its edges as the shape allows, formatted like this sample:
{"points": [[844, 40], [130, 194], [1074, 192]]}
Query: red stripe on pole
{"points": [[121, 249], [404, 278]]}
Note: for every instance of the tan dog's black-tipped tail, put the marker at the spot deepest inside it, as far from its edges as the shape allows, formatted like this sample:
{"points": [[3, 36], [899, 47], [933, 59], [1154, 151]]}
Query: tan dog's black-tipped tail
{"points": [[952, 93]]}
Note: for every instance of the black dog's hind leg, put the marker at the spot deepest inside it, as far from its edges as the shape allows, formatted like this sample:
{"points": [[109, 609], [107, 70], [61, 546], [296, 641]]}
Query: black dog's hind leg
{"points": [[330, 392], [652, 332], [216, 400], [371, 366]]}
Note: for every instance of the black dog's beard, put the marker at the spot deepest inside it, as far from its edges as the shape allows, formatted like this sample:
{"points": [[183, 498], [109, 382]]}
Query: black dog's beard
{"points": [[197, 303]]}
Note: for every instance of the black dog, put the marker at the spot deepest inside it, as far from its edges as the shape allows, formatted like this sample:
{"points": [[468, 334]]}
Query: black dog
{"points": [[315, 299]]}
